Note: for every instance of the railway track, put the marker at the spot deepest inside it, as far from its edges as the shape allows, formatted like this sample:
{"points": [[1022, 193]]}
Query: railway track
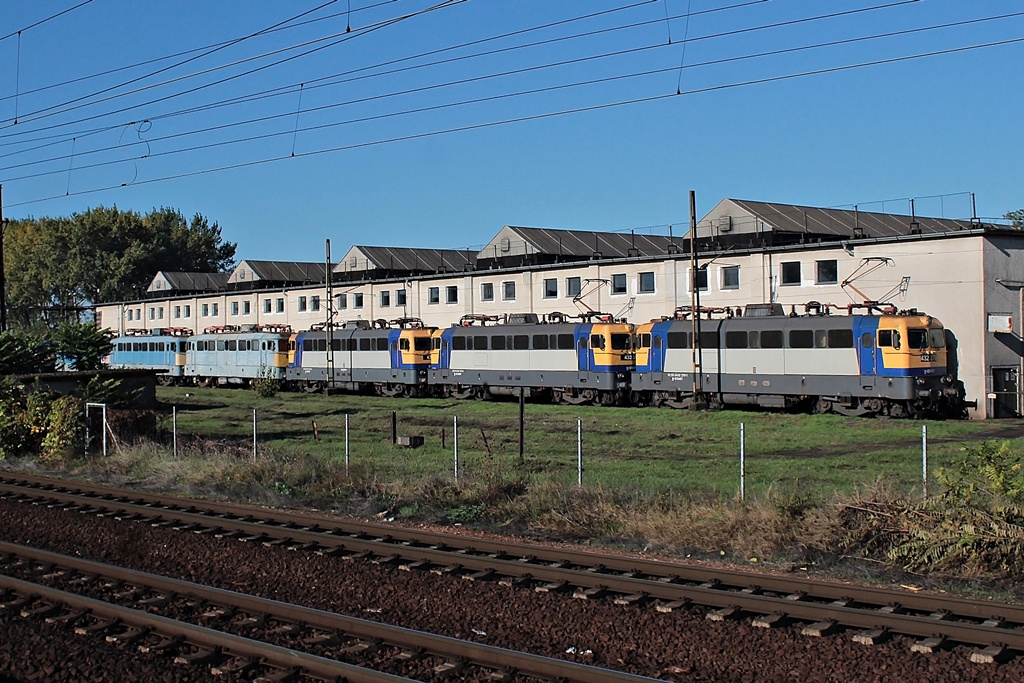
{"points": [[234, 633], [818, 608]]}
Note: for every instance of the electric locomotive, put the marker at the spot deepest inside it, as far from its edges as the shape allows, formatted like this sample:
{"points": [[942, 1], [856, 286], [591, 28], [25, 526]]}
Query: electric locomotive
{"points": [[881, 362], [390, 358], [157, 349], [229, 354], [576, 363]]}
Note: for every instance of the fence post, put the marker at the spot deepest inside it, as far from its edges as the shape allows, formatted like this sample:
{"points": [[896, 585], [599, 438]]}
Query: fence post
{"points": [[455, 443], [174, 429], [105, 428], [924, 460], [743, 464], [394, 427], [579, 452], [254, 436], [522, 425], [346, 444]]}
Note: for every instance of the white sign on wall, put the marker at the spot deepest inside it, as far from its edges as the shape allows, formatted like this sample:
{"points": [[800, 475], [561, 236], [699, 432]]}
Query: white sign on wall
{"points": [[1000, 322]]}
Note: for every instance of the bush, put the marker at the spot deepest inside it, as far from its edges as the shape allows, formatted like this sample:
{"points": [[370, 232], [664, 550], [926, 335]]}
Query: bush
{"points": [[64, 430], [266, 385]]}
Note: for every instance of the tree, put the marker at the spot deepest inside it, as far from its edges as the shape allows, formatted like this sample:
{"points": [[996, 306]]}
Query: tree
{"points": [[82, 345], [56, 266], [1016, 218]]}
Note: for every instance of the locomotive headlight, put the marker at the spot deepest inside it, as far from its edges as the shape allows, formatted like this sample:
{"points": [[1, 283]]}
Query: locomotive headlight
{"points": [[920, 381], [947, 379]]}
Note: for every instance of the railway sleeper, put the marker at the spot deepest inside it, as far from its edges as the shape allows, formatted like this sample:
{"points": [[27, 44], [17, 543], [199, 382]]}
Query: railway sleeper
{"points": [[593, 593], [930, 645], [993, 654], [236, 666], [129, 636], [99, 627], [671, 606], [200, 656], [165, 646], [279, 676], [820, 628], [874, 636], [769, 621], [69, 618], [724, 614]]}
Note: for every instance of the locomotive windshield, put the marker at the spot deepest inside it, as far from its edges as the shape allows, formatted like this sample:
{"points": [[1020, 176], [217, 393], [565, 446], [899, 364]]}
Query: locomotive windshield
{"points": [[917, 338], [621, 342], [937, 338], [422, 343]]}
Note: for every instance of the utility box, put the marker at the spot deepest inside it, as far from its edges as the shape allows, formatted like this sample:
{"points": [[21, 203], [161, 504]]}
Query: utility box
{"points": [[410, 441]]}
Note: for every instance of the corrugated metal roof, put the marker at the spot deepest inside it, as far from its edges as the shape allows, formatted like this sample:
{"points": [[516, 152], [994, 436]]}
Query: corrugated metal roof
{"points": [[583, 243], [405, 259], [191, 282], [842, 222], [284, 271]]}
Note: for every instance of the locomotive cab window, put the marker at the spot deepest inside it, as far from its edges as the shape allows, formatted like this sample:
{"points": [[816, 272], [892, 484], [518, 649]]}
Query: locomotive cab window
{"points": [[421, 344], [890, 338], [403, 344], [597, 341], [621, 342], [917, 338], [644, 341], [867, 340], [937, 338]]}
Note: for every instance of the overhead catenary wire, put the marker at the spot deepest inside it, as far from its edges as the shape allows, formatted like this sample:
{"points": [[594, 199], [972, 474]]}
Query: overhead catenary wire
{"points": [[295, 129], [196, 131], [545, 115], [40, 22]]}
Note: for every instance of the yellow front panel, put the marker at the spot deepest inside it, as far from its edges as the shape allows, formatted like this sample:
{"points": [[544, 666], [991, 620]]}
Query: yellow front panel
{"points": [[614, 344]]}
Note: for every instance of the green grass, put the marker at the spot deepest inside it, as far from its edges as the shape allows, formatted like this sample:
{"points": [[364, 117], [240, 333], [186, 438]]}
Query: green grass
{"points": [[648, 451]]}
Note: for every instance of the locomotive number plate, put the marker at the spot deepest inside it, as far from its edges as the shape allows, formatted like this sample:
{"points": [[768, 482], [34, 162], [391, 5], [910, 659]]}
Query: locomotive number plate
{"points": [[928, 357], [629, 356]]}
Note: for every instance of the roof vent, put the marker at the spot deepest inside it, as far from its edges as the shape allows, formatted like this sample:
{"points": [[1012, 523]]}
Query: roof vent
{"points": [[762, 310], [523, 319]]}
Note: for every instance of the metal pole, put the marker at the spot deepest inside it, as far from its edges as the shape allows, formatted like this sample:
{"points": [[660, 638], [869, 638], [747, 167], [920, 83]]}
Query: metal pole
{"points": [[924, 460], [254, 436], [174, 429], [86, 454], [579, 452], [104, 430], [455, 442], [522, 423], [743, 465], [3, 281], [346, 444], [394, 427]]}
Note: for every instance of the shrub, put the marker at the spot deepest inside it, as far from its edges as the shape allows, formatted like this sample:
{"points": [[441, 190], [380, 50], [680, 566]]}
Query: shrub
{"points": [[266, 385], [64, 430]]}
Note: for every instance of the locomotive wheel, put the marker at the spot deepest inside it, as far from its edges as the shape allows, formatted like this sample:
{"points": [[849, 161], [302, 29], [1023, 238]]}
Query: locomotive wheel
{"points": [[165, 380], [822, 406]]}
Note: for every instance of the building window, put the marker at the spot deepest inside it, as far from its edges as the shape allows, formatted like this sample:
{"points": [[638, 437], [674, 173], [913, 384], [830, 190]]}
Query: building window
{"points": [[129, 314], [702, 279], [177, 311], [302, 304], [573, 286], [451, 294], [314, 303], [214, 309], [138, 314], [731, 277], [205, 310], [646, 282], [550, 288], [400, 297], [487, 291], [434, 295], [341, 301], [619, 283], [279, 307], [790, 273], [152, 313], [508, 291], [828, 272], [266, 305], [188, 311], [234, 308], [246, 308], [357, 300], [385, 298]]}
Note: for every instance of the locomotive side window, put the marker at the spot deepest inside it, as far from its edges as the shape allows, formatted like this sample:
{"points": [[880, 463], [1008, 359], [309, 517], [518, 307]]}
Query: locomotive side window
{"points": [[382, 343], [937, 338], [521, 342], [708, 340], [678, 340], [565, 341], [801, 339], [364, 344], [458, 343], [841, 339], [645, 341], [821, 339], [540, 341], [771, 339], [307, 344], [352, 344], [597, 341], [867, 340], [736, 339], [657, 342], [403, 344], [885, 337], [498, 342], [231, 345], [917, 337], [220, 345], [480, 342], [754, 339], [321, 344]]}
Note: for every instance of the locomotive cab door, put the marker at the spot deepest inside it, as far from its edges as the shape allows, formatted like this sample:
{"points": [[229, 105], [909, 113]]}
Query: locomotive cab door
{"points": [[583, 357], [868, 359]]}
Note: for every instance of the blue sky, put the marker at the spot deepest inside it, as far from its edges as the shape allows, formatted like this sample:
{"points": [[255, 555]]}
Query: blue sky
{"points": [[297, 150]]}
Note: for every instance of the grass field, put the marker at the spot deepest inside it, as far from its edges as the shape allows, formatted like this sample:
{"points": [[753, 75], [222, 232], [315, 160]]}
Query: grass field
{"points": [[646, 451]]}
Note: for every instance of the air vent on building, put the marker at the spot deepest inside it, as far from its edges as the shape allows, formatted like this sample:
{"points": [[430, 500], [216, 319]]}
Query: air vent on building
{"points": [[506, 245], [725, 224]]}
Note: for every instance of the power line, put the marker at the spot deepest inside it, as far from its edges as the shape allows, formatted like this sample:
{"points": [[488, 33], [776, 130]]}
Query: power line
{"points": [[519, 71], [43, 21], [545, 115]]}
